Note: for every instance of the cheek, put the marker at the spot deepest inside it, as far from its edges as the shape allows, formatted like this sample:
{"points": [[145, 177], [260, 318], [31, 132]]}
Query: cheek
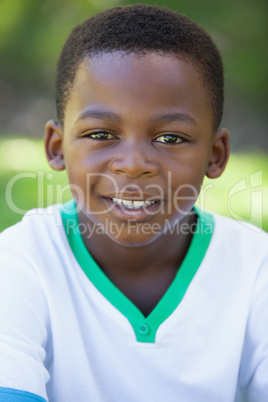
{"points": [[192, 165], [184, 198], [84, 166], [185, 185], [187, 176]]}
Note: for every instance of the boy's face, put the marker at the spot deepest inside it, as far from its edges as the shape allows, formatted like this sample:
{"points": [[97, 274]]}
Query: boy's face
{"points": [[137, 128]]}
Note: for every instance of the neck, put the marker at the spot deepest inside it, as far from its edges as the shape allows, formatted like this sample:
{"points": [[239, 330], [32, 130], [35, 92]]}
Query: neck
{"points": [[142, 273], [167, 250]]}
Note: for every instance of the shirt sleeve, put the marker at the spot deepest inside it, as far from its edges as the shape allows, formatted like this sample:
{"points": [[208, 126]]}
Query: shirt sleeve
{"points": [[23, 326], [13, 395], [254, 363]]}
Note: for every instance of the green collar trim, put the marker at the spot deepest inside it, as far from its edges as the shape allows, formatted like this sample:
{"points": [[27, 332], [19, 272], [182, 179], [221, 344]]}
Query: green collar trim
{"points": [[144, 327]]}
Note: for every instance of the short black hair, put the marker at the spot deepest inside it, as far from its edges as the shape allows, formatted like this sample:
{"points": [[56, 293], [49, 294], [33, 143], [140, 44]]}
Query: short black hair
{"points": [[141, 29]]}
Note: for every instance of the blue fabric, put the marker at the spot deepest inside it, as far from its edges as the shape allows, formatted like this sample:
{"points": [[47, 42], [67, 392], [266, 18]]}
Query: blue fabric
{"points": [[15, 395]]}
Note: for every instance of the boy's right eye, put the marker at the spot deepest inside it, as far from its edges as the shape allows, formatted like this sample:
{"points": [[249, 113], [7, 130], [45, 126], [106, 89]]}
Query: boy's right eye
{"points": [[100, 135]]}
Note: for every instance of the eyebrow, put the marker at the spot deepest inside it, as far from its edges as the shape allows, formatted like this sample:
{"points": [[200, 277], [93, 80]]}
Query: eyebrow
{"points": [[104, 115], [174, 117], [98, 114]]}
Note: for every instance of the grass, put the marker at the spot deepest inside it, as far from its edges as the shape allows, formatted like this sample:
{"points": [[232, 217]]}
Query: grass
{"points": [[27, 182]]}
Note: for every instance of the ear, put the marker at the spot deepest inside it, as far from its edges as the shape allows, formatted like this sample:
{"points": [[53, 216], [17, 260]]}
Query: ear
{"points": [[53, 145], [219, 154]]}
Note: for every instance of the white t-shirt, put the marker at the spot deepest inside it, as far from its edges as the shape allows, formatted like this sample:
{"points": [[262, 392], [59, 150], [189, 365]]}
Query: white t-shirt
{"points": [[68, 334]]}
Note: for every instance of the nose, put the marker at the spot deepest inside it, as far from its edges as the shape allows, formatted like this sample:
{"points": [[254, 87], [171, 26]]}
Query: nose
{"points": [[134, 161]]}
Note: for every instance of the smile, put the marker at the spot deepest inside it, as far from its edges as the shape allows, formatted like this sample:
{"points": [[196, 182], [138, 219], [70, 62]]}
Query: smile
{"points": [[134, 210], [132, 204]]}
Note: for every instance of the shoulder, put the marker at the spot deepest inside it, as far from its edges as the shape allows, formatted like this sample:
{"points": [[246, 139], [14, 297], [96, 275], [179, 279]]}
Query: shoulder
{"points": [[35, 224], [238, 252], [241, 238], [40, 231]]}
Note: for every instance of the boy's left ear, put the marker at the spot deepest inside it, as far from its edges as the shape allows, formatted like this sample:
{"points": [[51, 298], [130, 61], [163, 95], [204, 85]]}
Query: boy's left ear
{"points": [[219, 154], [54, 144]]}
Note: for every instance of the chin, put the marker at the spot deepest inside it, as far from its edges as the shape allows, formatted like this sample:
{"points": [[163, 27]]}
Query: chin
{"points": [[132, 240]]}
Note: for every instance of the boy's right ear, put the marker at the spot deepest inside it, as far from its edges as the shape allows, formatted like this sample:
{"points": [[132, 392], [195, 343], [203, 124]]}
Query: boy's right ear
{"points": [[54, 144]]}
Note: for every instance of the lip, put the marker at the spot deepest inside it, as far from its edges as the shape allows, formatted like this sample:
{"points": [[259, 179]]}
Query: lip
{"points": [[133, 214], [132, 196]]}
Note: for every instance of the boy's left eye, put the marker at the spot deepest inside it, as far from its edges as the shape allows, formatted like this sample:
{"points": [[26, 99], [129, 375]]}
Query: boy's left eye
{"points": [[169, 139]]}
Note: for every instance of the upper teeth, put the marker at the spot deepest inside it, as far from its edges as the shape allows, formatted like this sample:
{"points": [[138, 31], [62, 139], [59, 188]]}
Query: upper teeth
{"points": [[132, 204]]}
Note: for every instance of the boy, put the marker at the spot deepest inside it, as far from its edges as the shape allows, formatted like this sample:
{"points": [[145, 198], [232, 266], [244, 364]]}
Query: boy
{"points": [[129, 291]]}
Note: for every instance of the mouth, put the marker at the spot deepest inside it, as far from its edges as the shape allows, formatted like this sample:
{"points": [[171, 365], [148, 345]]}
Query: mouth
{"points": [[129, 204], [135, 210]]}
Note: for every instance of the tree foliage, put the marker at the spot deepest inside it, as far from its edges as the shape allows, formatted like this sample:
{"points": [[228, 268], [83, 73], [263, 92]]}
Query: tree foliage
{"points": [[32, 33]]}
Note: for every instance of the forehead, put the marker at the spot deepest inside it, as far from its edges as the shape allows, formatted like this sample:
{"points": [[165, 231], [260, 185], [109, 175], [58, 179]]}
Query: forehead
{"points": [[143, 84]]}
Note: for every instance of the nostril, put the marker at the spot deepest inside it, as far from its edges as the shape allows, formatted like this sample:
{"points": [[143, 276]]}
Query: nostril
{"points": [[133, 173], [133, 165]]}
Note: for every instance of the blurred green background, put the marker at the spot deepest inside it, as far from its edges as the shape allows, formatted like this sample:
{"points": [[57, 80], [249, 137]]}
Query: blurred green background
{"points": [[31, 36]]}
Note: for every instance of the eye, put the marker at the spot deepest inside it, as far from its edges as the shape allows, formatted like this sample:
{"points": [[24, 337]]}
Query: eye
{"points": [[101, 135], [169, 139]]}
